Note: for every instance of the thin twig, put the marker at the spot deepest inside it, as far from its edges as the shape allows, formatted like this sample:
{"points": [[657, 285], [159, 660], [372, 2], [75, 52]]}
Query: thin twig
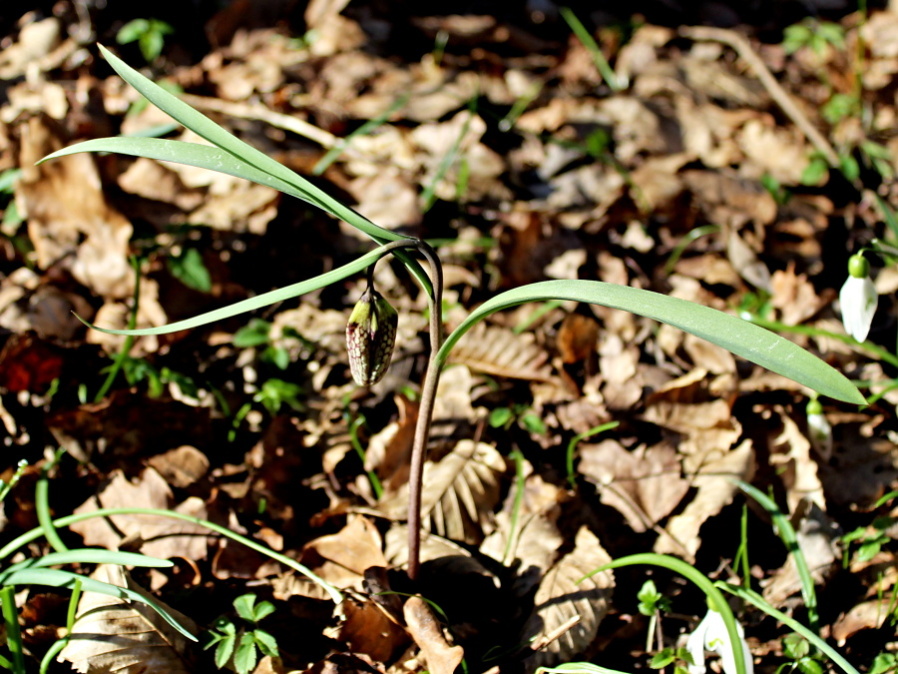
{"points": [[743, 48]]}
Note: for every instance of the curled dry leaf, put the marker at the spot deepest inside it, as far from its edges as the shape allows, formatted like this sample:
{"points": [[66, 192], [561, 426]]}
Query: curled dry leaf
{"points": [[117, 635], [423, 626], [790, 455], [368, 630], [460, 492], [499, 351], [562, 596]]}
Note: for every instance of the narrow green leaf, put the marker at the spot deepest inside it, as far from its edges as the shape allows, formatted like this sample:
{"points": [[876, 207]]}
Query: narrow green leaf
{"points": [[206, 128], [734, 334], [58, 578], [92, 556], [257, 302], [251, 160]]}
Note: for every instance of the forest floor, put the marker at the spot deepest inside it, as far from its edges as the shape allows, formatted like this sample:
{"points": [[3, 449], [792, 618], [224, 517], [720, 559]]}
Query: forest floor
{"points": [[738, 168]]}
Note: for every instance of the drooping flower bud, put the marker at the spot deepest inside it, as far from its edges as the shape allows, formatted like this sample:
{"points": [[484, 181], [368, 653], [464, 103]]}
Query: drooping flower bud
{"points": [[711, 634], [858, 298], [819, 429], [370, 335]]}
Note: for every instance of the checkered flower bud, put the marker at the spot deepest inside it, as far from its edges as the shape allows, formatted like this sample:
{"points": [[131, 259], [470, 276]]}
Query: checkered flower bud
{"points": [[370, 335]]}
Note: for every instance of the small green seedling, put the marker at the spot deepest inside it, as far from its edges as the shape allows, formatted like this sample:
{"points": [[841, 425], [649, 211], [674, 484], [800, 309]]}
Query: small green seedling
{"points": [[188, 267], [651, 604], [803, 656], [669, 656], [149, 35], [238, 647], [505, 417], [257, 334]]}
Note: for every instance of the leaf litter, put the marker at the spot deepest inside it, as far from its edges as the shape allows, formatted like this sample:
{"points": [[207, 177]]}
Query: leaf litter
{"points": [[497, 138]]}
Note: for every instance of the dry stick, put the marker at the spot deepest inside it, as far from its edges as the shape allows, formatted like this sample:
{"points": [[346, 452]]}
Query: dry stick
{"points": [[428, 397], [744, 50]]}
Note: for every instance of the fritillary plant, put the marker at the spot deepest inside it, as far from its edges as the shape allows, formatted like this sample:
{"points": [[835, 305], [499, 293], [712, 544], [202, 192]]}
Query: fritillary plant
{"points": [[371, 327]]}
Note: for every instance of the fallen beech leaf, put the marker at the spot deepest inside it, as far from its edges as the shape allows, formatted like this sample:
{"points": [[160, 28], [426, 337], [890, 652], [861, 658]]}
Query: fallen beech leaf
{"points": [[117, 635], [499, 351], [715, 490], [460, 492], [561, 596], [347, 554], [435, 551], [69, 220], [181, 467], [440, 655], [644, 485], [163, 537], [368, 630], [868, 615]]}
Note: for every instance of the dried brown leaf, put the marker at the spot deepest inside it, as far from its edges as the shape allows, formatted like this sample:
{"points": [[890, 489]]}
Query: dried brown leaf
{"points": [[346, 554], [164, 537], [526, 536], [818, 540], [69, 220], [181, 467], [714, 481], [435, 550], [790, 455], [424, 628], [118, 635], [499, 351], [644, 485], [460, 492], [368, 630], [562, 596]]}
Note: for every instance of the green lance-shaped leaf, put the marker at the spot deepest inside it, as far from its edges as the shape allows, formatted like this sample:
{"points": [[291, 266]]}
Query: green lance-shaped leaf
{"points": [[370, 335], [737, 335]]}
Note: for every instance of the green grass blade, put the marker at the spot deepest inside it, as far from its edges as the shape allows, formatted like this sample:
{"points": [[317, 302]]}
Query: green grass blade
{"points": [[58, 578], [734, 334], [25, 538], [758, 601], [252, 303], [787, 535], [716, 600], [90, 556], [13, 630]]}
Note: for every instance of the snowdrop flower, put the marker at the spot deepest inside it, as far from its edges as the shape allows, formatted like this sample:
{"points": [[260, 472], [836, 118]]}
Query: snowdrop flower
{"points": [[711, 635], [819, 429], [858, 298]]}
